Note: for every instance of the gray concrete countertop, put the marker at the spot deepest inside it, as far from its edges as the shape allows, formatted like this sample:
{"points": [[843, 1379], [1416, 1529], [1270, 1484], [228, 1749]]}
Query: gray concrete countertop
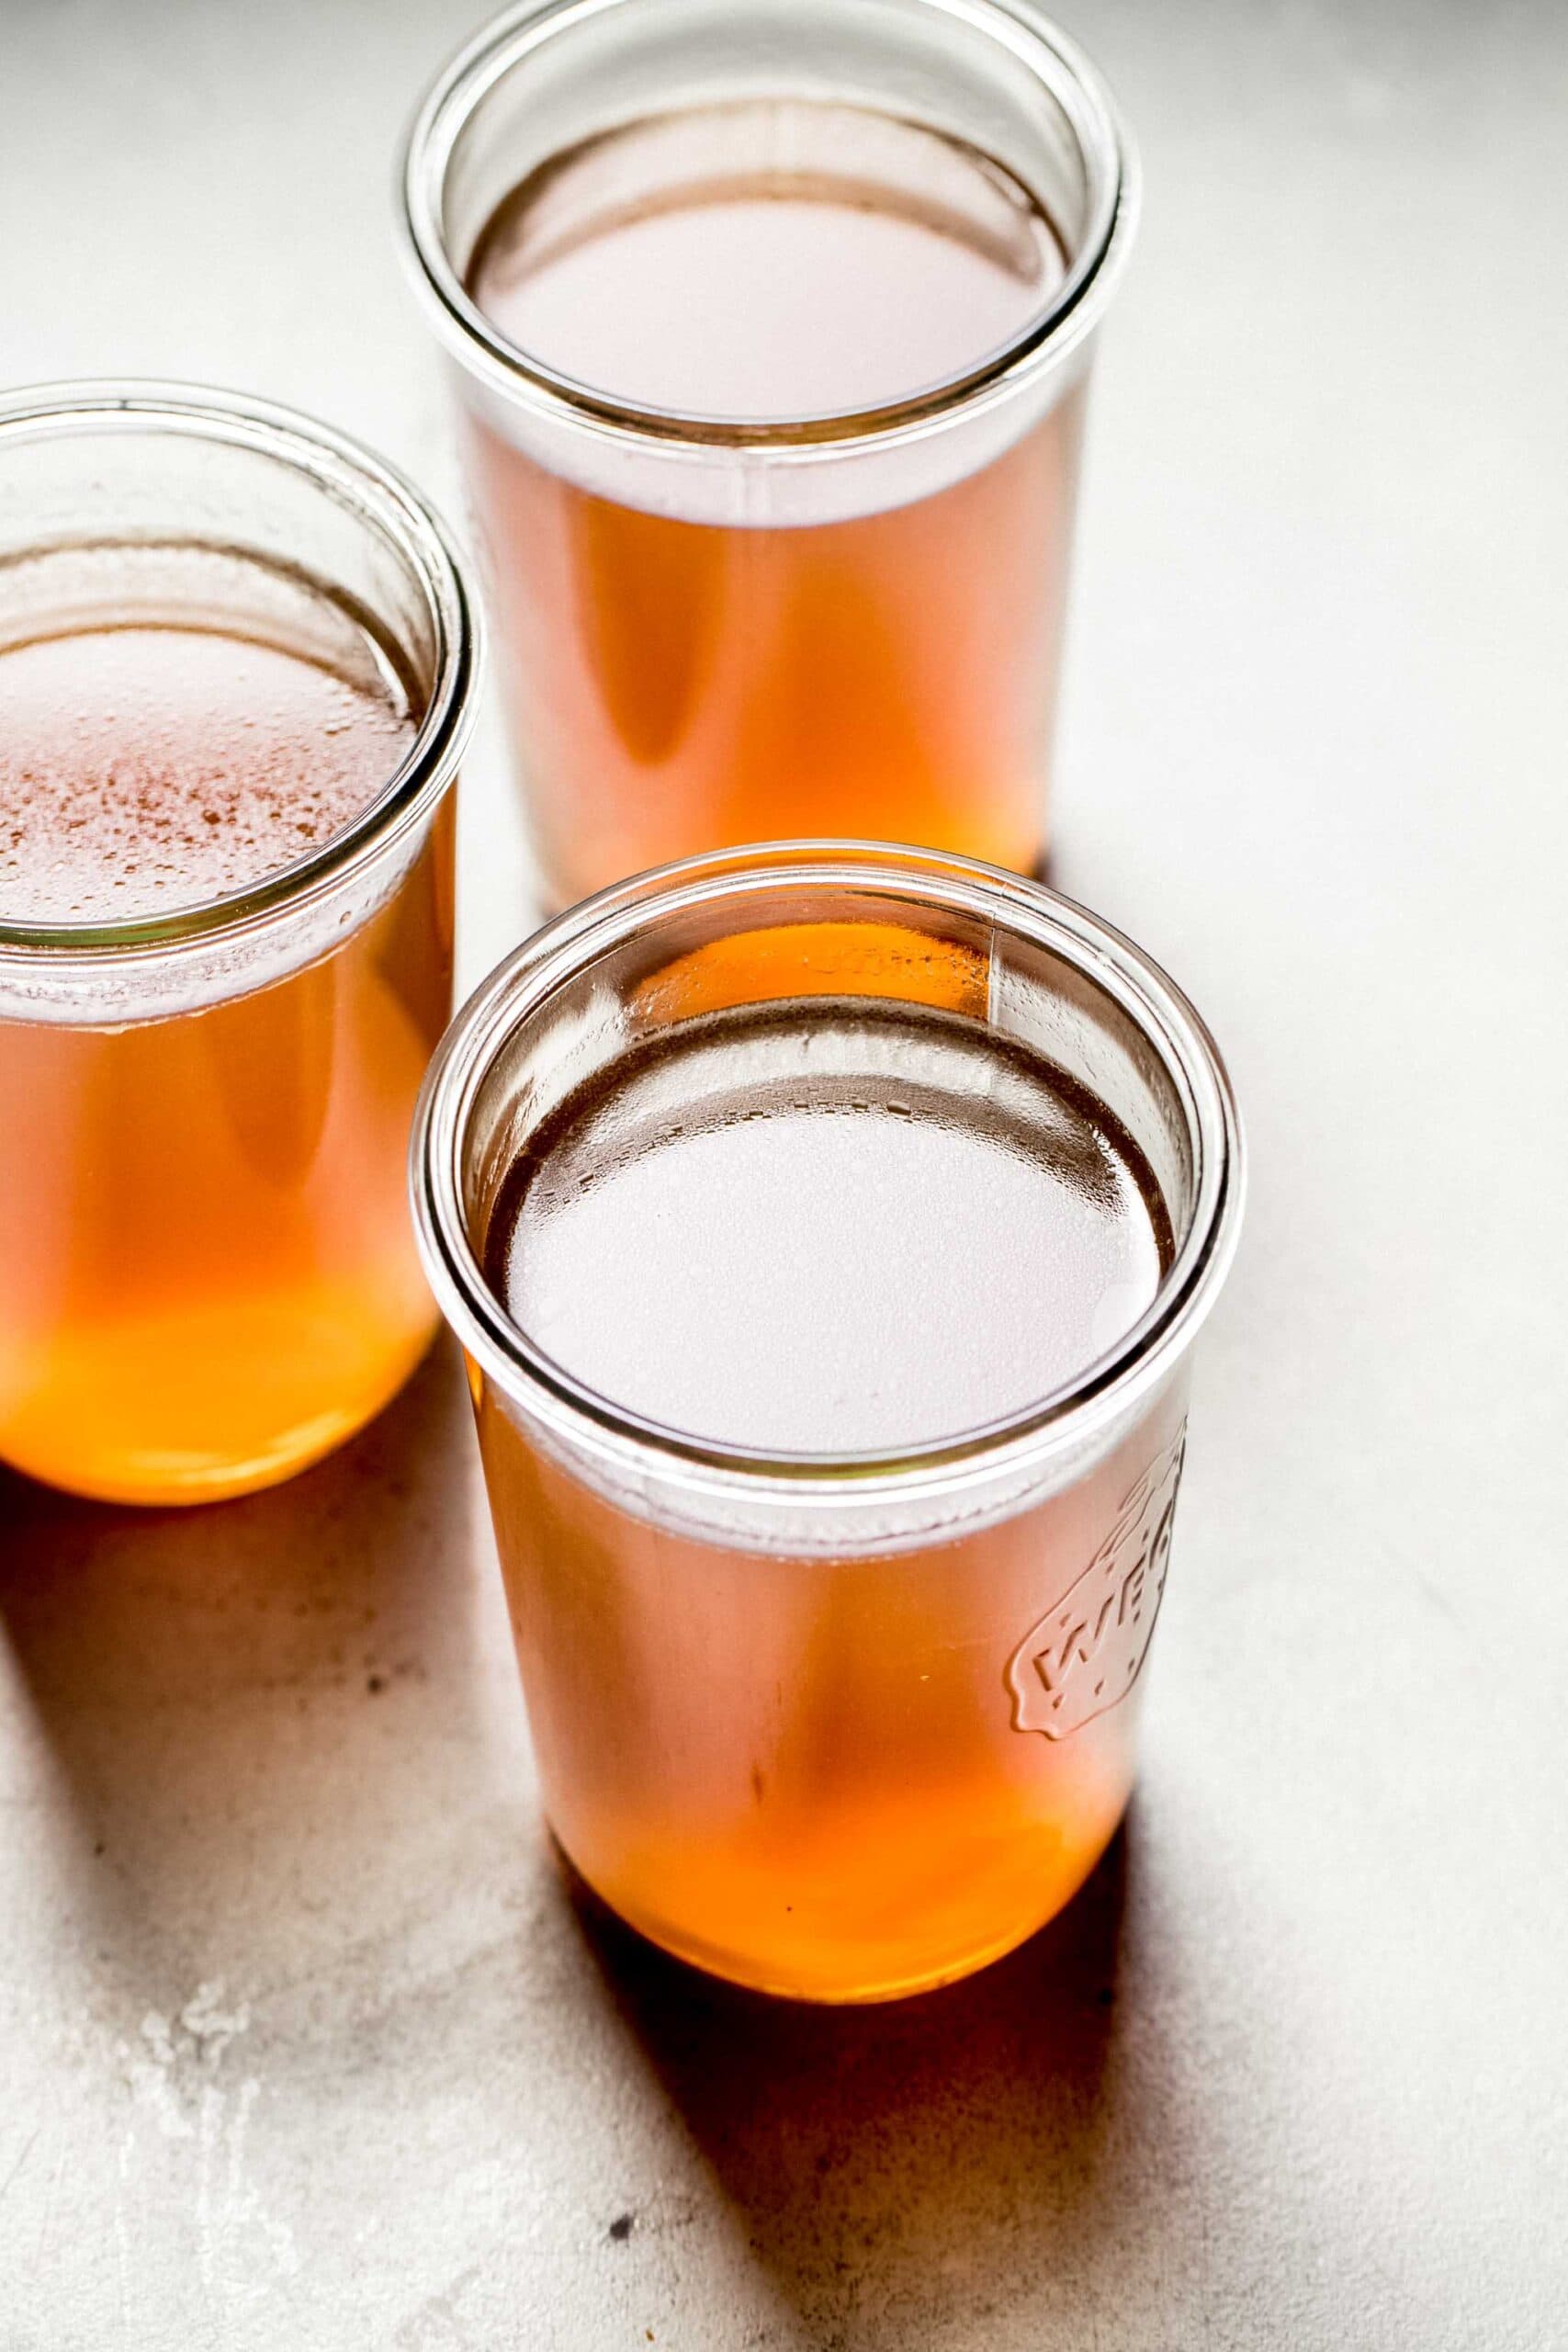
{"points": [[304, 2043]]}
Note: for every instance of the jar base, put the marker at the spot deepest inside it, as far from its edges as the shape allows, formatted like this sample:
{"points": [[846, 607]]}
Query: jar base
{"points": [[165, 1478], [823, 1988]]}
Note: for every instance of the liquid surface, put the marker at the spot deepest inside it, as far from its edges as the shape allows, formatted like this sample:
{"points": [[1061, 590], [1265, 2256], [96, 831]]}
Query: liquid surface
{"points": [[783, 261], [148, 765], [829, 1228]]}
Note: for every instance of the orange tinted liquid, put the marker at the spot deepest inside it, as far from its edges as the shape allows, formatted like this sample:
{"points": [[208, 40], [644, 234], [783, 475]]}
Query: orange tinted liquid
{"points": [[836, 1227], [677, 685], [207, 1276]]}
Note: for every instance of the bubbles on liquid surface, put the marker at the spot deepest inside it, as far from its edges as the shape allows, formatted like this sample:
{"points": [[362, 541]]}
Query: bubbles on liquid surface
{"points": [[147, 766]]}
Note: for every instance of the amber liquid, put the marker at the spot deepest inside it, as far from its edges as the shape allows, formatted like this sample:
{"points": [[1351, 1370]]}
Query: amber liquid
{"points": [[206, 1274], [677, 685], [835, 1227]]}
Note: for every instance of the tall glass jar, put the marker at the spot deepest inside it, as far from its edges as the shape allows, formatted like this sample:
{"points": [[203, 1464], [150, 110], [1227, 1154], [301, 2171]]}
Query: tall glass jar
{"points": [[837, 1725], [831, 600]]}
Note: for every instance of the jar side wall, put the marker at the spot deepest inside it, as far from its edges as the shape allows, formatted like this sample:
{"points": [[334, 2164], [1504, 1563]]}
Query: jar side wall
{"points": [[209, 1276], [671, 683], [840, 1778]]}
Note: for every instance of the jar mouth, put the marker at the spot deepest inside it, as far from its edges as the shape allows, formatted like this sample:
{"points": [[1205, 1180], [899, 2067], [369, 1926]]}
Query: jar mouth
{"points": [[1036, 350], [368, 489], [1167, 1024]]}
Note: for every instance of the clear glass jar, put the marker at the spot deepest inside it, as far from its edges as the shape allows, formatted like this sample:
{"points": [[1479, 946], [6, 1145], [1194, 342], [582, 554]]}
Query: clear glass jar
{"points": [[716, 628], [839, 1726], [206, 1275]]}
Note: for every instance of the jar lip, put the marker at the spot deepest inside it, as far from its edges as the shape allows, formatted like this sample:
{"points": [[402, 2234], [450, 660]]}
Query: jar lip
{"points": [[1036, 350], [356, 478], [1093, 1398]]}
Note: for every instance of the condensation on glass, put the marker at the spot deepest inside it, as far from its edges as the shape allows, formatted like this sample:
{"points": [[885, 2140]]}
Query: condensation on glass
{"points": [[838, 1725], [207, 1274], [772, 553]]}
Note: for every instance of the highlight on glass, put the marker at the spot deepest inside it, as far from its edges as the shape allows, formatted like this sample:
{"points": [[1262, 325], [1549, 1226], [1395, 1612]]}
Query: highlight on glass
{"points": [[771, 321], [828, 1227], [237, 671]]}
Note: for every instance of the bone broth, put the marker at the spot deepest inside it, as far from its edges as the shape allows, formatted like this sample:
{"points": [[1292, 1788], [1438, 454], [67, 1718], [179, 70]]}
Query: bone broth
{"points": [[832, 1226], [682, 678]]}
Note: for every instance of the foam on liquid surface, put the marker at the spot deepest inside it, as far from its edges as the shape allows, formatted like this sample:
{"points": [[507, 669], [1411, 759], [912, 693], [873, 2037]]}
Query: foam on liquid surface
{"points": [[833, 1228], [177, 724], [782, 260]]}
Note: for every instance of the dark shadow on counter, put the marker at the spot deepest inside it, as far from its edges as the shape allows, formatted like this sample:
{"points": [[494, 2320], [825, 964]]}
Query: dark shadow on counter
{"points": [[234, 1695], [904, 2170]]}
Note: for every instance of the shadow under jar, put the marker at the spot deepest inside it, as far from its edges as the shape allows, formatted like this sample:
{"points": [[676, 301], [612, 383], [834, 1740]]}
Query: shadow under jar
{"points": [[828, 1228], [771, 321], [237, 669]]}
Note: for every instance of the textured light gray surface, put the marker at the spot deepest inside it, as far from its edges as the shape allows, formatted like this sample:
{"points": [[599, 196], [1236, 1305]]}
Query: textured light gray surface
{"points": [[302, 2042]]}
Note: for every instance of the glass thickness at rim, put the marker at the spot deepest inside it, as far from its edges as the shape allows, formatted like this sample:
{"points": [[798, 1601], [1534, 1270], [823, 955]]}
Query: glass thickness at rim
{"points": [[366, 486], [504, 47], [520, 988]]}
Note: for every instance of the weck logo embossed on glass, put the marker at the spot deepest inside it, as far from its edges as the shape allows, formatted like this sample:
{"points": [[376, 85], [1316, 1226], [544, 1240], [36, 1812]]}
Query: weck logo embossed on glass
{"points": [[1084, 1655]]}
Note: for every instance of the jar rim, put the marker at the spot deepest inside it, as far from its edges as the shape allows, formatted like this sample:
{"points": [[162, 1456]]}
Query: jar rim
{"points": [[343, 469], [1035, 351], [1091, 1399]]}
